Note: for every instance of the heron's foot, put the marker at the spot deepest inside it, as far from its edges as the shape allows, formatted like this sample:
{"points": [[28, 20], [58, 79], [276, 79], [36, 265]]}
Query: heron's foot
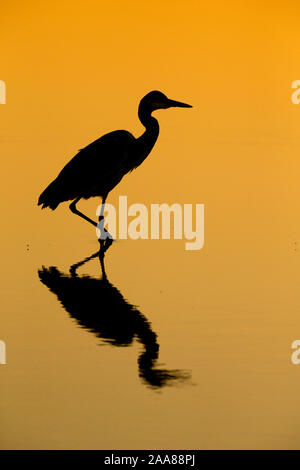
{"points": [[105, 244], [105, 239]]}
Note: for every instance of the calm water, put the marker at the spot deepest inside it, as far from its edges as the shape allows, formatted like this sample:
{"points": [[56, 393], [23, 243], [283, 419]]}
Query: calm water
{"points": [[172, 350]]}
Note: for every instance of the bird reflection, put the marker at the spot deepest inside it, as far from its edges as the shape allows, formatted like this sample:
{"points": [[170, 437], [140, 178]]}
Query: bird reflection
{"points": [[99, 306]]}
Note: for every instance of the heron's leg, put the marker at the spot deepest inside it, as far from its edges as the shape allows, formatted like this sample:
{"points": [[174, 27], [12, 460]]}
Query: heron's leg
{"points": [[101, 216], [74, 267], [105, 239], [74, 209]]}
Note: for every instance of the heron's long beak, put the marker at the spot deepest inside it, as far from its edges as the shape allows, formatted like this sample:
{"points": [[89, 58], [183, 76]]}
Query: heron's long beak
{"points": [[178, 104]]}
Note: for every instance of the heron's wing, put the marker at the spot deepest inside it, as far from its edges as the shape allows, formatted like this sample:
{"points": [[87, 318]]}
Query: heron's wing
{"points": [[104, 158], [94, 171]]}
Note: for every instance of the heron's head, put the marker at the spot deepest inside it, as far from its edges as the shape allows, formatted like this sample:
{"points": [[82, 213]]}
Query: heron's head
{"points": [[157, 100]]}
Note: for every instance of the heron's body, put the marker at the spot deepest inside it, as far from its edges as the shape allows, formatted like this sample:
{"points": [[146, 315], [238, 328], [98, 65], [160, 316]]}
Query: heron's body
{"points": [[96, 169]]}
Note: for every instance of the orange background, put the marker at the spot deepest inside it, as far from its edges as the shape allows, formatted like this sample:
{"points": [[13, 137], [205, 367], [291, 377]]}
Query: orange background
{"points": [[75, 70]]}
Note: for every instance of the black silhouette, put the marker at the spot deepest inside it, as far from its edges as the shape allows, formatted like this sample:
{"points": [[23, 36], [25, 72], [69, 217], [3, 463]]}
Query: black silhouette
{"points": [[99, 306], [99, 167]]}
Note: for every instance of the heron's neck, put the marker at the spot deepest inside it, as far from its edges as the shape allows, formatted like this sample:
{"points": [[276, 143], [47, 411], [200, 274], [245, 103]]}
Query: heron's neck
{"points": [[149, 137]]}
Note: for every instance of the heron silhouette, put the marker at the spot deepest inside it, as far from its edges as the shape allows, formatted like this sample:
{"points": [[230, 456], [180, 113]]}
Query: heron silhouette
{"points": [[98, 306], [97, 168]]}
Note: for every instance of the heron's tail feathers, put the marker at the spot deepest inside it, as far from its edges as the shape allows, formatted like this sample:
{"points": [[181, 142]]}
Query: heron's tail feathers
{"points": [[50, 197]]}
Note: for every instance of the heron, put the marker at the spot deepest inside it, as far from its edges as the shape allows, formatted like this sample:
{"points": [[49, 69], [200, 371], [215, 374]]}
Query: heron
{"points": [[97, 168]]}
